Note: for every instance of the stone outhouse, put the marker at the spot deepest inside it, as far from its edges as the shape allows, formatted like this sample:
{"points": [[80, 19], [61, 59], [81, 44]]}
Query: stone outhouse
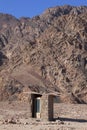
{"points": [[41, 106]]}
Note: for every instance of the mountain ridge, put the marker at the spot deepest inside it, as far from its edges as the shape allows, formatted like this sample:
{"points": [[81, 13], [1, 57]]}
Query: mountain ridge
{"points": [[53, 49]]}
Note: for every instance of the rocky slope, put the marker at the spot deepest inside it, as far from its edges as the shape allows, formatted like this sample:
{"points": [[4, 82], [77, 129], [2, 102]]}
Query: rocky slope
{"points": [[45, 54]]}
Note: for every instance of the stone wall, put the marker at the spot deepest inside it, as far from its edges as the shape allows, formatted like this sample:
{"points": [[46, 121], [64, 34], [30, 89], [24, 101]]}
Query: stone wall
{"points": [[30, 105], [50, 107], [47, 107], [44, 107]]}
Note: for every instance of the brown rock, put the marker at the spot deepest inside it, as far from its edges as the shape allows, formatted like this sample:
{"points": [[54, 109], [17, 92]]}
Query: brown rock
{"points": [[47, 53]]}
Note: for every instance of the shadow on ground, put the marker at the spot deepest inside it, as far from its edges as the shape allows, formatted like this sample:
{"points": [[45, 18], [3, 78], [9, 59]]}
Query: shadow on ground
{"points": [[71, 119]]}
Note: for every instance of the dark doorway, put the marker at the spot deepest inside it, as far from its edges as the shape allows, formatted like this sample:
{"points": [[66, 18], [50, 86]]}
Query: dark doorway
{"points": [[36, 106]]}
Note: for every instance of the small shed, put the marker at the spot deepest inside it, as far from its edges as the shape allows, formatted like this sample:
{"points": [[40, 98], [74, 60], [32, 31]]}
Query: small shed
{"points": [[41, 106], [37, 91]]}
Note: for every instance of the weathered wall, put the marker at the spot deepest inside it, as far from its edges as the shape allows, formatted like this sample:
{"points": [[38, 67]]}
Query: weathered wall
{"points": [[30, 105], [47, 107]]}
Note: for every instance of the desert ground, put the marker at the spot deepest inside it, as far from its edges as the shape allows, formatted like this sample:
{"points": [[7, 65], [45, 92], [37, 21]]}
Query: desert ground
{"points": [[14, 116]]}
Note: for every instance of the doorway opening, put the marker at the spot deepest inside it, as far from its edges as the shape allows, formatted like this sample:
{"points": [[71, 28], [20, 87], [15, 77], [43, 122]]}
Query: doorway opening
{"points": [[36, 106]]}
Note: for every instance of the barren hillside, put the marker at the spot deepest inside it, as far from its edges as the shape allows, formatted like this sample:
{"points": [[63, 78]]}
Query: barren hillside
{"points": [[45, 53]]}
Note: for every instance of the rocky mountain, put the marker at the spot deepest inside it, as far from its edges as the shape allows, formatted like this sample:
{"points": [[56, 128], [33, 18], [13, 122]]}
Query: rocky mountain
{"points": [[46, 53]]}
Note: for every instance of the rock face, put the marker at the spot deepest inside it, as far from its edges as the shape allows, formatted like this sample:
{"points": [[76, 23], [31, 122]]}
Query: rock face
{"points": [[45, 53]]}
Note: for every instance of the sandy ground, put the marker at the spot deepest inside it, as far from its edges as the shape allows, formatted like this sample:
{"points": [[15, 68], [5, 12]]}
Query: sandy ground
{"points": [[14, 116]]}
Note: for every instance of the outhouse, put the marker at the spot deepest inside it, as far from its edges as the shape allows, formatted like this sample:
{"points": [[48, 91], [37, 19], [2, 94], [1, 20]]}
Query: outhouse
{"points": [[41, 106], [41, 101]]}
